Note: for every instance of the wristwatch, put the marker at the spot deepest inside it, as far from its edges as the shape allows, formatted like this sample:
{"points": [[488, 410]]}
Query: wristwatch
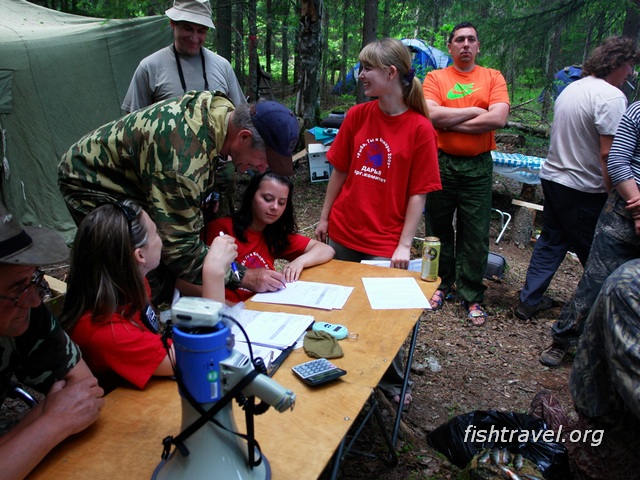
{"points": [[234, 282]]}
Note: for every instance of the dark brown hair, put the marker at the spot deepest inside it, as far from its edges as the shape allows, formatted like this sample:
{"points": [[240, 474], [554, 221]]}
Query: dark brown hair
{"points": [[104, 275], [276, 235], [614, 52], [462, 25]]}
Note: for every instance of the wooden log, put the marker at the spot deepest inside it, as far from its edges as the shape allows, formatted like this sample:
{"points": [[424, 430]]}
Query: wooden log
{"points": [[538, 131], [521, 203]]}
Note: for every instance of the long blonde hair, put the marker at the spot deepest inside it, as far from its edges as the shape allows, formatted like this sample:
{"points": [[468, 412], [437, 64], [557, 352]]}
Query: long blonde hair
{"points": [[390, 51]]}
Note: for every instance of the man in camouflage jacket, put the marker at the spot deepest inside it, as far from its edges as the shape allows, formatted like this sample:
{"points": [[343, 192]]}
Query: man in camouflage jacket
{"points": [[165, 158], [605, 381], [37, 352]]}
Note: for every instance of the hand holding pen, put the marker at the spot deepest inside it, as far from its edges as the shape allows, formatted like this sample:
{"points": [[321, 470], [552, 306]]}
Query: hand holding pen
{"points": [[234, 267], [259, 279], [222, 252]]}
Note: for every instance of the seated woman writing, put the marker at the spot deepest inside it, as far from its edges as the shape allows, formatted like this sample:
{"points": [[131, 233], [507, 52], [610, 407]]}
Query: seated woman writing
{"points": [[265, 229], [107, 309]]}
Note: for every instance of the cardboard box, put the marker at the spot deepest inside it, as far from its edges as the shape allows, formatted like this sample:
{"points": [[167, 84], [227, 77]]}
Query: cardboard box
{"points": [[319, 167], [58, 291], [309, 138]]}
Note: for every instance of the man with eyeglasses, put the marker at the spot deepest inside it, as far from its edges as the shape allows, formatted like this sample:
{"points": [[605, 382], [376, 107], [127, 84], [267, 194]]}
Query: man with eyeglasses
{"points": [[576, 181], [37, 352]]}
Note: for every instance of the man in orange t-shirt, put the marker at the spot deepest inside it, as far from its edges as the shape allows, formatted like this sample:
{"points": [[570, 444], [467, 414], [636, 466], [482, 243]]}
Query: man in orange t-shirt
{"points": [[466, 104]]}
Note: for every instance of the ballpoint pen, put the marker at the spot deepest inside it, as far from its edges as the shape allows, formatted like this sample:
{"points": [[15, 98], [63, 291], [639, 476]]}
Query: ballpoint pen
{"points": [[234, 267]]}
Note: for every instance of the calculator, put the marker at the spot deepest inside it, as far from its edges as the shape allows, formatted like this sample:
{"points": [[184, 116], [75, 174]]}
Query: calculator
{"points": [[316, 372]]}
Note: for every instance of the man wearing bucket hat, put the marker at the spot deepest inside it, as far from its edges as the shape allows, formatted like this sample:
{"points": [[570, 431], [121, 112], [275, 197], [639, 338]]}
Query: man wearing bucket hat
{"points": [[35, 349], [187, 65], [165, 157]]}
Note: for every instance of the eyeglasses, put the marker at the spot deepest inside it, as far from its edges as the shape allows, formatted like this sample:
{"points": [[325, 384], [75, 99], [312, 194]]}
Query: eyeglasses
{"points": [[38, 281]]}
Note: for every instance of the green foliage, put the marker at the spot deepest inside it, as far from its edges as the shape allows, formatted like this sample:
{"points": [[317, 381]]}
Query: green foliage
{"points": [[406, 448], [340, 103], [525, 39], [119, 8]]}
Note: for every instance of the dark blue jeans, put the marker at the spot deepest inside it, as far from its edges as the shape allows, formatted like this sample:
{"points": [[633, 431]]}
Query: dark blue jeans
{"points": [[466, 192], [568, 222]]}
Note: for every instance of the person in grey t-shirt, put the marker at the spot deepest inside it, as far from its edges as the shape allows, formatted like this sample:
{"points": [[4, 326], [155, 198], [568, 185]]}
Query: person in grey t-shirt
{"points": [[183, 66]]}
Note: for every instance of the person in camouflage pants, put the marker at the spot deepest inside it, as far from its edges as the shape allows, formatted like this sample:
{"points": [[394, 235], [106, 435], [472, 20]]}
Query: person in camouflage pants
{"points": [[165, 157], [616, 239]]}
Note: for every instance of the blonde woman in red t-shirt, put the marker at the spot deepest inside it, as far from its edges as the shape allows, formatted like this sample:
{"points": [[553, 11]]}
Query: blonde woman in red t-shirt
{"points": [[384, 163]]}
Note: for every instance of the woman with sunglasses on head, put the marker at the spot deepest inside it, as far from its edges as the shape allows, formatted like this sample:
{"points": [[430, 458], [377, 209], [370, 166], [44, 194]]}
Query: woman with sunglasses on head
{"points": [[265, 230], [107, 309]]}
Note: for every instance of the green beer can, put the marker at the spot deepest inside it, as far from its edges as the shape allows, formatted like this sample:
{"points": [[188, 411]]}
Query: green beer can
{"points": [[430, 259]]}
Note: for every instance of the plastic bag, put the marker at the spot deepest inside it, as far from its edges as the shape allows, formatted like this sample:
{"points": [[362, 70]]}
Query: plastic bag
{"points": [[464, 436]]}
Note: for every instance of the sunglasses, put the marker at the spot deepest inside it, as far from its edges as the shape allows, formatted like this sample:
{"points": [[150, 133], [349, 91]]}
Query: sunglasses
{"points": [[38, 282]]}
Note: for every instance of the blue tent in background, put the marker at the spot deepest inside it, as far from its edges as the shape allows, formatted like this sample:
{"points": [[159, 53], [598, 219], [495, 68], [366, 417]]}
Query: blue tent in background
{"points": [[425, 58], [564, 77], [561, 79]]}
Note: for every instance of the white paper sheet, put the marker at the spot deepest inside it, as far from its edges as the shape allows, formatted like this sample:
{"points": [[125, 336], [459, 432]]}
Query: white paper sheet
{"points": [[271, 329], [394, 293], [267, 354], [415, 265], [308, 294]]}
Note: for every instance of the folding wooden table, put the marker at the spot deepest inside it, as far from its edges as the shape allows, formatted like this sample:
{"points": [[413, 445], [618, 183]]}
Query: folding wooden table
{"points": [[126, 442]]}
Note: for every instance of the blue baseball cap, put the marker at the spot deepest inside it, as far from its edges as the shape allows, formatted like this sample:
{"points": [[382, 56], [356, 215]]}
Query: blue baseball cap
{"points": [[278, 127]]}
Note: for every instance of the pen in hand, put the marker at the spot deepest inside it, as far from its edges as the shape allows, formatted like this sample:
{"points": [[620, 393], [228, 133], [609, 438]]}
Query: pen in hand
{"points": [[234, 267]]}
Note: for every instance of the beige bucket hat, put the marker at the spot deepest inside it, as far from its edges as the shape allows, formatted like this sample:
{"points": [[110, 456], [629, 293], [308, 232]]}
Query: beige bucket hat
{"points": [[193, 11]]}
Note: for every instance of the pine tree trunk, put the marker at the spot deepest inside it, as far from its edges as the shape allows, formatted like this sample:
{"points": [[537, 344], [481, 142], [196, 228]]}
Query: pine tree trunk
{"points": [[310, 55]]}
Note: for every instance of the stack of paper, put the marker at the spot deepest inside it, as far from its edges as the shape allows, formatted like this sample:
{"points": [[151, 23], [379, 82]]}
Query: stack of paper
{"points": [[271, 329], [269, 332], [308, 294], [415, 265]]}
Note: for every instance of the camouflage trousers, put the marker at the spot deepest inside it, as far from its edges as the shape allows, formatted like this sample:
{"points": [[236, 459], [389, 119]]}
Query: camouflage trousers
{"points": [[605, 380], [606, 370], [614, 243], [466, 194]]}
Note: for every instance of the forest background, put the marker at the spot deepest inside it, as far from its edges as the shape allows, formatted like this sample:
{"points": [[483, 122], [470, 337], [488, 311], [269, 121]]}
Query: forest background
{"points": [[309, 45]]}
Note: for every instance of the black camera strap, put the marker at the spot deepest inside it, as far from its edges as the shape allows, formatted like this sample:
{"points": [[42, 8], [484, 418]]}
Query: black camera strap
{"points": [[208, 416], [204, 70]]}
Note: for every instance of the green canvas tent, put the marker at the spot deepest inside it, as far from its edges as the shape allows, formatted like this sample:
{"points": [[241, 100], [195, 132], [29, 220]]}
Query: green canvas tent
{"points": [[61, 76]]}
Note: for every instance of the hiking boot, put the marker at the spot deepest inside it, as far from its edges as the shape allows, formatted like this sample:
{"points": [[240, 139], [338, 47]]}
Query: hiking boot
{"points": [[552, 356], [525, 313]]}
